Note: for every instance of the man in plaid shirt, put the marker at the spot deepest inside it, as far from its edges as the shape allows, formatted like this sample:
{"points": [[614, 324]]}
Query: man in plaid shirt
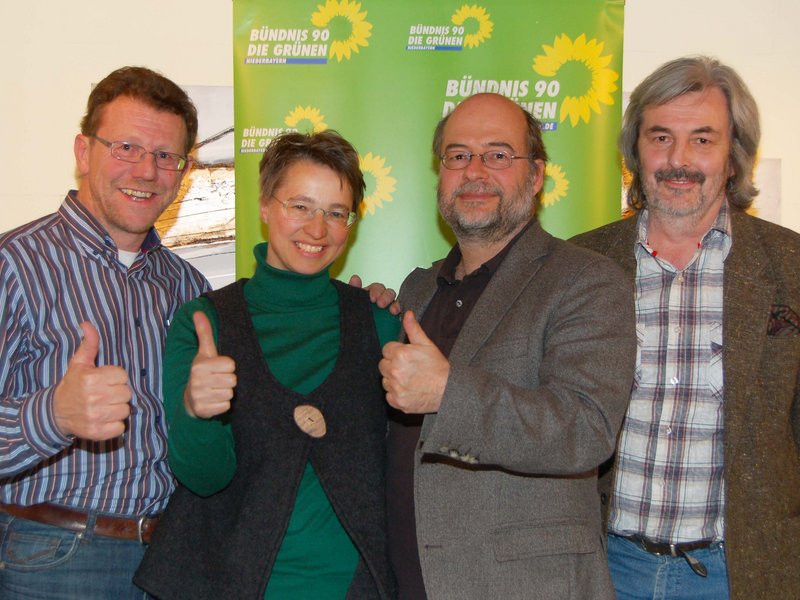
{"points": [[703, 495]]}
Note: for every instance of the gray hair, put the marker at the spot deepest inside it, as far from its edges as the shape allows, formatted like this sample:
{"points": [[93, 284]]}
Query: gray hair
{"points": [[683, 76]]}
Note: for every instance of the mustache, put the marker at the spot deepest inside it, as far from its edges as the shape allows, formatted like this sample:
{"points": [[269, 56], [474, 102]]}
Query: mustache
{"points": [[684, 174], [476, 187]]}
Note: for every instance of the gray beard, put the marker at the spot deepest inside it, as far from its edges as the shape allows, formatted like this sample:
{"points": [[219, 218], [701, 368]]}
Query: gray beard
{"points": [[670, 206], [511, 212]]}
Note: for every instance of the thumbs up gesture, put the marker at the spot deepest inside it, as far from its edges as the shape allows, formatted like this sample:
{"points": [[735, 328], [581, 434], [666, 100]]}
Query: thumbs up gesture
{"points": [[414, 374], [91, 402], [213, 377]]}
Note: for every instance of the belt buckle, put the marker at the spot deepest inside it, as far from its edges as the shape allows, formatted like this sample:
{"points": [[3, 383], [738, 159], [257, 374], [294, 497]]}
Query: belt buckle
{"points": [[140, 528]]}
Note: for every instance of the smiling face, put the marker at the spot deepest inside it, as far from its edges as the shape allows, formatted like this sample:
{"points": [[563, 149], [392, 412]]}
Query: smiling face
{"points": [[477, 202], [306, 247], [684, 148], [127, 198]]}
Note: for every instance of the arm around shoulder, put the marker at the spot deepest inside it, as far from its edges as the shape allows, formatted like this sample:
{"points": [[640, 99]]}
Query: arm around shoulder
{"points": [[386, 324]]}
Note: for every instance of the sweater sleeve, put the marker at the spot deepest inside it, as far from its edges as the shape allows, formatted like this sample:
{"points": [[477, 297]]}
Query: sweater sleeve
{"points": [[201, 451]]}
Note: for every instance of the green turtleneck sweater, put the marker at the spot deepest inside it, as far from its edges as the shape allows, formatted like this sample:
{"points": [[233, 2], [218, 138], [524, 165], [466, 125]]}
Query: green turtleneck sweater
{"points": [[296, 318]]}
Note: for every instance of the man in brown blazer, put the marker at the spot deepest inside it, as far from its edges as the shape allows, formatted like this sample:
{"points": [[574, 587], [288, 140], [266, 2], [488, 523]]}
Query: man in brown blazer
{"points": [[510, 389], [704, 491]]}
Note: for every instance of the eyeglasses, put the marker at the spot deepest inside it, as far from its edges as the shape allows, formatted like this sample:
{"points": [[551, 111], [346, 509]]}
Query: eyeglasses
{"points": [[494, 159], [302, 211], [132, 153]]}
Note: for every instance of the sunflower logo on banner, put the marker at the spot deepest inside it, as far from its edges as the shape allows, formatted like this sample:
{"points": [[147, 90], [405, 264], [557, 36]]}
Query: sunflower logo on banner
{"points": [[383, 187], [589, 57], [556, 184], [309, 114], [349, 28], [485, 25]]}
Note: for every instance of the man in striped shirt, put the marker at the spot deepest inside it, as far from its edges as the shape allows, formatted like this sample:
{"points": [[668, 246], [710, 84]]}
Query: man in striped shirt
{"points": [[704, 492], [86, 295]]}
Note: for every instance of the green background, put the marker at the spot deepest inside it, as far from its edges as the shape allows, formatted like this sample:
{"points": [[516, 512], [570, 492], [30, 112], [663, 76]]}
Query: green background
{"points": [[387, 100]]}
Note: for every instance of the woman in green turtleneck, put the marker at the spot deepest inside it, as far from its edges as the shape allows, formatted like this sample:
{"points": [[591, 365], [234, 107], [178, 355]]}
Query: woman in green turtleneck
{"points": [[276, 413]]}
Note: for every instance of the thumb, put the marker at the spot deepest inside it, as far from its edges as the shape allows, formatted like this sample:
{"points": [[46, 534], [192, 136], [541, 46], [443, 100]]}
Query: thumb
{"points": [[86, 354], [414, 331], [355, 281], [206, 347]]}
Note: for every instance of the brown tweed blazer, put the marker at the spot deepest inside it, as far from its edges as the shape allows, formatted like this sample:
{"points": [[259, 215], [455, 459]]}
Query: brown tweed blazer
{"points": [[761, 401]]}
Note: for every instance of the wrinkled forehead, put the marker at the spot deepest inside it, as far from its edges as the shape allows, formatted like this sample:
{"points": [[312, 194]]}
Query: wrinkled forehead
{"points": [[707, 109], [130, 117]]}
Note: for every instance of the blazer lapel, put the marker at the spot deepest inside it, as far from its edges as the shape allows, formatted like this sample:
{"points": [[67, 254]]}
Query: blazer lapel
{"points": [[621, 246], [419, 288], [505, 286], [748, 295], [616, 241], [500, 295]]}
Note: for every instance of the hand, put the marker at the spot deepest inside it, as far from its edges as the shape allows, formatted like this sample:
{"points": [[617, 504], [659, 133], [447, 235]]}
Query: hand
{"points": [[210, 388], [379, 294], [91, 402], [414, 374]]}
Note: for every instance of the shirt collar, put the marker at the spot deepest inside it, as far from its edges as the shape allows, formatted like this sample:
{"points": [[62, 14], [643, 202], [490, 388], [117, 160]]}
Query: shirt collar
{"points": [[91, 232], [720, 227], [447, 272]]}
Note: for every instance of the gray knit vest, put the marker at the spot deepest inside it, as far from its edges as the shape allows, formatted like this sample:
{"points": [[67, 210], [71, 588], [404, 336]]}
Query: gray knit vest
{"points": [[224, 545]]}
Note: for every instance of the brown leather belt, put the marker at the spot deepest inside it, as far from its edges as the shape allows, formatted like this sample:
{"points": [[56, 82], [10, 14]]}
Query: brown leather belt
{"points": [[675, 550], [139, 529], [664, 549]]}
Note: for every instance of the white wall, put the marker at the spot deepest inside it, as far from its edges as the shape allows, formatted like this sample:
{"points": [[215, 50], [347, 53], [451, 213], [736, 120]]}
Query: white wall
{"points": [[53, 50], [758, 39], [51, 53]]}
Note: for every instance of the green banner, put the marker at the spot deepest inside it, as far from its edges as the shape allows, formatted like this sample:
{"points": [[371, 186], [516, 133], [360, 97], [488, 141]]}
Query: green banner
{"points": [[383, 72]]}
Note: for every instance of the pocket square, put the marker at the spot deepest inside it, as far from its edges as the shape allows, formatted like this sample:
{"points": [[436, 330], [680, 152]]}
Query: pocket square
{"points": [[783, 321]]}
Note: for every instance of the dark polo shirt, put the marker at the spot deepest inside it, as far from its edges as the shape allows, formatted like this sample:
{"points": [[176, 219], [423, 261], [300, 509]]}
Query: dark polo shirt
{"points": [[442, 322]]}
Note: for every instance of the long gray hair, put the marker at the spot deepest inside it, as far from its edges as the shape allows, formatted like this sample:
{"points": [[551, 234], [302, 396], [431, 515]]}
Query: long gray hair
{"points": [[695, 74]]}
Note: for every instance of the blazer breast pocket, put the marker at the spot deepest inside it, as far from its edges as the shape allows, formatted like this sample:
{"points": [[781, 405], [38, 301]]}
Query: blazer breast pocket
{"points": [[783, 321]]}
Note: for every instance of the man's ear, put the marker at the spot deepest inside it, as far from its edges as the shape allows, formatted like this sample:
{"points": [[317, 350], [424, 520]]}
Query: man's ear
{"points": [[538, 182], [81, 149]]}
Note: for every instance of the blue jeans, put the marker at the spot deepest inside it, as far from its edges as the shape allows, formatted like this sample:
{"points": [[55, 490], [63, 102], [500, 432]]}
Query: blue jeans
{"points": [[50, 563], [639, 575]]}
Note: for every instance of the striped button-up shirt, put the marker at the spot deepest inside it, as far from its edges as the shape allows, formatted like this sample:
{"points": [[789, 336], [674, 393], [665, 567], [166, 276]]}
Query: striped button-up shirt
{"points": [[55, 273], [669, 478]]}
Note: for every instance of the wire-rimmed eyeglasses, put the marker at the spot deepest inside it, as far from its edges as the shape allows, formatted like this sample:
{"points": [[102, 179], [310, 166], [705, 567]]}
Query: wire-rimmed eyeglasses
{"points": [[301, 211], [494, 159], [127, 152]]}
